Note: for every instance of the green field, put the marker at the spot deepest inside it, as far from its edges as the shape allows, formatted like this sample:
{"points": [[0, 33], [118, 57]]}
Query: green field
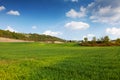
{"points": [[37, 61]]}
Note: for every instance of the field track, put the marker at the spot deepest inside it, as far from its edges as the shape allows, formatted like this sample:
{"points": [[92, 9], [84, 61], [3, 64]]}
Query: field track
{"points": [[11, 40]]}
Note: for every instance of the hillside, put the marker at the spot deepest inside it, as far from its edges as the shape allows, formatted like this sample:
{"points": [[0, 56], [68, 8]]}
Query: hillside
{"points": [[7, 35]]}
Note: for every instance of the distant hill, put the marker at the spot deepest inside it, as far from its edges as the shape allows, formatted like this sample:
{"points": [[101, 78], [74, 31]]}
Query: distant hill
{"points": [[29, 37]]}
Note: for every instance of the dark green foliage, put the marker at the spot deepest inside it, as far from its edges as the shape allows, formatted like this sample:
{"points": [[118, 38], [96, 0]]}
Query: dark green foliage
{"points": [[117, 41], [104, 41], [85, 39]]}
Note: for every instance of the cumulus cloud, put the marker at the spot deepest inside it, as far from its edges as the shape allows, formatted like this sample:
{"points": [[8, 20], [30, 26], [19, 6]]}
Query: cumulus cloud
{"points": [[10, 29], [52, 33], [74, 14], [2, 8], [113, 31], [77, 25], [12, 12], [105, 11], [34, 27]]}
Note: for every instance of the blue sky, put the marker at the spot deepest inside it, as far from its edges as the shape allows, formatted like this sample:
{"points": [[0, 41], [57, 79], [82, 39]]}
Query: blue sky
{"points": [[67, 19]]}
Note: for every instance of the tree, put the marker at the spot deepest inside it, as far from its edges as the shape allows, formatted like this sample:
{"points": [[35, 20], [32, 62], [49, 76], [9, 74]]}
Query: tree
{"points": [[85, 39], [94, 40], [117, 41], [106, 39]]}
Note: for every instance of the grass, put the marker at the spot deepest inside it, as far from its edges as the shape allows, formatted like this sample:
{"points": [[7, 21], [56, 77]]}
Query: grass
{"points": [[37, 61]]}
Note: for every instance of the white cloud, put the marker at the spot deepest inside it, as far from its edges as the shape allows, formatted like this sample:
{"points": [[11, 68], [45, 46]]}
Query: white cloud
{"points": [[114, 31], [34, 27], [74, 0], [10, 29], [102, 11], [107, 15], [2, 8], [91, 4], [49, 32], [105, 11], [77, 25], [71, 0], [74, 14], [12, 12]]}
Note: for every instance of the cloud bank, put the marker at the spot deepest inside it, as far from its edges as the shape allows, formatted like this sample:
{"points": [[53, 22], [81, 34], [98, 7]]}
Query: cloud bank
{"points": [[104, 11], [113, 31]]}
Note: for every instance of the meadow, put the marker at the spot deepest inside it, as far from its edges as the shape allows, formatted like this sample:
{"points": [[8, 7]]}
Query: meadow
{"points": [[38, 61]]}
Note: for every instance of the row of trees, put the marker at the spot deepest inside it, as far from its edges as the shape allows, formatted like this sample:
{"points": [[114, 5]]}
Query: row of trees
{"points": [[29, 37], [104, 41]]}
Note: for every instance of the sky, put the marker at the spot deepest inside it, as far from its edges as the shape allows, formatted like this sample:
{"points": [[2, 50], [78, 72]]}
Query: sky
{"points": [[66, 19]]}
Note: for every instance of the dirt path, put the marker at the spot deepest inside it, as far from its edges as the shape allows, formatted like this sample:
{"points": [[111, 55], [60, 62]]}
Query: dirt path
{"points": [[11, 40]]}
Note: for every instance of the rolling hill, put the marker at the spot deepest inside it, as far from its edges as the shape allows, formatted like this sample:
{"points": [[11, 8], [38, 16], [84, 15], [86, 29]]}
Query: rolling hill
{"points": [[7, 36]]}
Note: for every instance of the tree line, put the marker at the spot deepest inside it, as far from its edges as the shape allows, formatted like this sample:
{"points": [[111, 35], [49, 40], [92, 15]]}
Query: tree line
{"points": [[104, 41]]}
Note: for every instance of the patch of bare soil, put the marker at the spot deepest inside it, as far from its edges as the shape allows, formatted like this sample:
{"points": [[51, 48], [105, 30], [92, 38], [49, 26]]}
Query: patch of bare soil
{"points": [[11, 40]]}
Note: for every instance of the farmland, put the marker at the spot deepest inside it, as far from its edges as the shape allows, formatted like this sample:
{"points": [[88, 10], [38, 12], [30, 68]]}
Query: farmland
{"points": [[38, 61]]}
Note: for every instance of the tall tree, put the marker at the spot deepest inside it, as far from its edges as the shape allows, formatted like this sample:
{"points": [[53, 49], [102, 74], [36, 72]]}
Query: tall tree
{"points": [[117, 41], [94, 40], [106, 39], [85, 39]]}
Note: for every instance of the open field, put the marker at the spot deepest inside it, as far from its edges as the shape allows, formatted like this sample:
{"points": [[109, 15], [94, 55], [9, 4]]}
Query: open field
{"points": [[37, 61]]}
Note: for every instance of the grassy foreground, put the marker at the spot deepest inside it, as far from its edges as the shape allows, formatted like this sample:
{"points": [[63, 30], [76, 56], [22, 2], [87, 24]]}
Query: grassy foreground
{"points": [[37, 61]]}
